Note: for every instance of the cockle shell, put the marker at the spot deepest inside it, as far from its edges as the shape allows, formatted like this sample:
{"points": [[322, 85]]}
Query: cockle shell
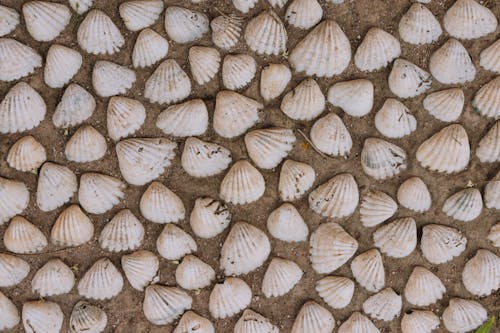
{"points": [[418, 321], [159, 204], [376, 207], [488, 149], [423, 288], [394, 119], [242, 184], [489, 58], [45, 20], [439, 243], [226, 30], [61, 64], [368, 270], [204, 63], [265, 34], [191, 322], [140, 14], [41, 317], [14, 198], [419, 26], [80, 6], [101, 281], [123, 233], [97, 34], [252, 322], [336, 291], [26, 154], [354, 97], [204, 159], [398, 238], [174, 243], [384, 305], [54, 278], [98, 193], [407, 80], [86, 145], [72, 228], [286, 224], [445, 105], [149, 48], [13, 270], [452, 64], [186, 119], [193, 273], [463, 315], [494, 235], [304, 102], [76, 106], [280, 277], [268, 147], [274, 79], [10, 314], [87, 318], [481, 274], [377, 50], [23, 237], [464, 205], [244, 5], [358, 323], [304, 14], [238, 71], [381, 159], [229, 298], [124, 116], [168, 83], [296, 178], [184, 25], [9, 19], [163, 305], [486, 102], [209, 217], [141, 268], [467, 19], [330, 136], [110, 79], [17, 60], [312, 317], [414, 194], [56, 186]]}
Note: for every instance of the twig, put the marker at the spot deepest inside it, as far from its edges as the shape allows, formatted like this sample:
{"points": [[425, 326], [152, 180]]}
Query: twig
{"points": [[312, 144]]}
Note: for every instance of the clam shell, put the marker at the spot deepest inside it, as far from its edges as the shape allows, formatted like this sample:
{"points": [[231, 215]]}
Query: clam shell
{"points": [[17, 60], [268, 147], [226, 30], [304, 102], [244, 5], [312, 317], [209, 217], [280, 277], [163, 305], [123, 233], [80, 6], [140, 14], [378, 49], [10, 19], [397, 239], [494, 235], [168, 83], [368, 270], [489, 146], [394, 119], [336, 291], [492, 193], [22, 237], [481, 274], [76, 106], [124, 117], [160, 205], [242, 184], [419, 322], [252, 322], [45, 20], [296, 178], [110, 79], [464, 205], [101, 281], [486, 102], [72, 228], [440, 244], [149, 48], [204, 159], [61, 64], [204, 63], [385, 305], [238, 71], [354, 97], [14, 198], [54, 278], [56, 186], [407, 79], [186, 119], [87, 318], [358, 323], [274, 79], [190, 321], [193, 274], [174, 243], [330, 136], [304, 14], [419, 26], [140, 268], [265, 34], [467, 19], [452, 64], [414, 195], [445, 105], [489, 58], [463, 315], [13, 270], [423, 288], [86, 145], [42, 317], [376, 207], [381, 159], [286, 224], [26, 154], [97, 34], [229, 298], [184, 25], [10, 314], [98, 193]]}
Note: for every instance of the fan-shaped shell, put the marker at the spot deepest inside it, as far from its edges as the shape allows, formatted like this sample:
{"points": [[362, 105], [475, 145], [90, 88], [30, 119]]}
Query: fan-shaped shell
{"points": [[140, 14], [252, 322], [140, 268], [72, 228], [98, 193], [336, 291], [97, 34], [304, 14], [397, 239], [419, 322], [266, 34], [10, 314], [185, 119], [209, 217], [124, 117], [467, 19], [280, 277], [244, 5], [174, 243], [407, 80], [336, 198], [14, 198], [204, 62], [376, 207], [168, 83], [12, 270], [110, 79], [242, 184], [452, 64], [17, 60], [123, 233], [9, 20], [384, 305], [102, 281], [381, 159], [162, 305], [486, 102], [439, 243], [354, 97], [268, 147], [149, 48], [286, 224], [160, 205], [23, 237], [203, 159], [87, 318], [296, 178], [368, 270], [226, 30], [492, 193], [229, 298], [358, 323], [394, 119], [414, 194], [304, 102], [274, 79], [56, 186], [42, 317], [76, 106], [26, 154], [494, 235], [61, 64], [330, 136], [377, 50], [423, 288], [312, 317], [80, 6], [238, 70], [445, 105], [489, 146], [86, 145], [54, 278], [464, 205], [463, 315], [45, 20], [184, 25], [419, 26], [192, 273], [489, 58], [481, 274], [190, 321]]}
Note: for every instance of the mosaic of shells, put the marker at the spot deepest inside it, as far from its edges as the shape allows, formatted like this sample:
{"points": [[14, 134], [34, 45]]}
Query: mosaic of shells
{"points": [[234, 168]]}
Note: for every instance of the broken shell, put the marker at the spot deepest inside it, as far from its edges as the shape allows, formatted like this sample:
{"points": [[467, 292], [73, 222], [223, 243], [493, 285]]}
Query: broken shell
{"points": [[377, 50], [397, 239], [140, 14], [268, 147], [463, 315], [23, 237], [168, 83], [72, 228], [123, 233], [229, 298], [186, 119], [86, 145], [226, 30], [204, 63], [286, 224], [26, 154], [312, 317], [394, 119], [481, 274], [336, 291], [368, 270], [486, 102], [304, 102], [467, 19], [98, 193], [163, 305], [330, 136], [17, 60], [174, 243], [419, 26], [45, 20], [354, 97], [252, 322], [184, 25], [414, 194], [419, 322], [451, 63], [280, 277], [242, 184], [13, 270], [124, 117], [407, 79], [376, 207], [385, 305], [209, 217], [381, 159], [304, 14], [440, 244], [10, 19], [110, 79], [465, 205], [56, 186], [97, 34], [160, 205], [102, 281], [14, 198], [150, 47], [204, 159], [54, 278], [423, 288], [140, 268], [61, 64], [193, 274], [265, 34], [42, 316], [489, 145], [296, 178], [87, 318], [445, 105], [76, 106], [274, 79]]}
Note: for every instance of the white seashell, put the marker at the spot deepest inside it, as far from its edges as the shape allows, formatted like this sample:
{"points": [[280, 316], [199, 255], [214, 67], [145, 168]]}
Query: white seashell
{"points": [[61, 64], [54, 278], [10, 314], [368, 270], [376, 207], [274, 79], [244, 5], [209, 217], [142, 160], [42, 317], [463, 315], [160, 205], [150, 47], [397, 239], [265, 34], [440, 244], [481, 274], [312, 317], [304, 14], [419, 322], [419, 26], [123, 233], [98, 193], [80, 6], [102, 281], [486, 102], [385, 305], [21, 109], [168, 83], [445, 105], [280, 4], [9, 19], [238, 71], [252, 322], [140, 268], [286, 224], [451, 63], [229, 298], [378, 49], [467, 19], [296, 178], [87, 318], [494, 235], [204, 63], [140, 14], [381, 159], [97, 34], [76, 106], [124, 117], [330, 247], [492, 193], [174, 243], [336, 198], [280, 277], [394, 120], [72, 228], [354, 97], [14, 198], [414, 195], [245, 249], [56, 186], [191, 322], [423, 288], [13, 270], [304, 102], [447, 151], [464, 205], [22, 237], [242, 184], [86, 145], [45, 20], [17, 60], [358, 323], [330, 136], [489, 146], [489, 58], [336, 291], [192, 273], [203, 159], [407, 79], [268, 147], [110, 79], [26, 154], [186, 119], [324, 52], [184, 25], [226, 30], [162, 305]]}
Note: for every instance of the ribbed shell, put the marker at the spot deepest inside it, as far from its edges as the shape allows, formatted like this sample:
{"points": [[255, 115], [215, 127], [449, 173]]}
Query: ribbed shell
{"points": [[110, 79], [268, 147], [419, 322], [87, 318], [452, 64], [489, 58], [45, 20], [252, 322], [464, 205], [98, 193], [244, 5], [445, 105], [17, 60], [61, 64], [467, 19], [80, 6], [274, 79], [463, 315], [376, 207], [9, 20], [124, 117], [209, 217], [489, 146], [419, 26], [226, 30], [397, 239], [12, 270], [358, 323], [394, 119], [168, 83], [160, 205], [72, 228], [26, 154], [56, 186], [304, 102], [191, 322], [440, 244], [280, 277], [377, 50], [22, 237], [486, 102], [494, 235], [407, 79], [102, 281], [123, 233], [385, 305], [423, 288], [194, 274], [336, 198], [42, 317], [238, 71], [242, 184], [14, 198], [163, 305], [54, 278], [149, 48], [86, 145], [10, 314], [414, 195], [140, 14], [266, 34], [203, 159], [304, 14], [312, 317], [204, 63], [97, 34], [481, 274], [141, 268], [186, 119], [368, 270], [354, 97], [330, 136], [184, 25], [286, 224], [296, 178], [277, 3], [336, 291], [174, 243], [76, 106], [492, 193], [381, 159], [229, 298]]}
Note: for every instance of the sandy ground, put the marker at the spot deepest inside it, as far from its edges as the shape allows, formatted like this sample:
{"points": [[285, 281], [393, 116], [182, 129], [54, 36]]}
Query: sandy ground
{"points": [[355, 17]]}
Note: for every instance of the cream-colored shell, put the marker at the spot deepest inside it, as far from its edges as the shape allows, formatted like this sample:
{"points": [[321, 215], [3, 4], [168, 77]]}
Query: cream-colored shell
{"points": [[492, 193], [124, 117], [312, 317], [101, 281], [286, 224], [268, 147], [265, 34], [358, 323], [226, 30], [98, 193], [87, 318], [296, 178], [376, 207], [385, 305], [304, 14], [229, 298], [23, 237], [330, 136], [488, 149], [193, 273], [336, 198], [489, 58], [397, 239], [9, 20], [140, 14], [274, 79], [159, 204], [445, 105], [14, 198], [486, 102], [56, 186], [80, 6], [86, 145], [244, 5], [419, 26], [494, 235], [464, 205], [42, 317], [452, 64], [280, 277], [418, 321], [163, 305], [394, 119], [378, 49], [13, 270], [10, 314], [149, 48], [238, 70], [174, 243], [440, 244], [407, 80], [123, 233], [26, 154], [184, 25], [423, 288], [354, 97], [463, 315], [76, 106], [414, 195], [242, 184], [191, 322], [481, 274], [72, 228], [209, 217], [141, 268], [381, 159], [368, 270], [304, 102], [186, 119], [252, 322], [336, 291], [61, 64], [45, 20], [97, 34], [54, 278], [168, 83], [204, 159], [204, 63], [467, 19], [17, 60], [110, 79]]}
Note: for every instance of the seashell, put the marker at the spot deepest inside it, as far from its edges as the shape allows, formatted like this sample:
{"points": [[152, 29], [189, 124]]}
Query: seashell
{"points": [[274, 79], [394, 120], [385, 305], [447, 151], [62, 63], [463, 315], [17, 60], [13, 270], [45, 20], [184, 25], [419, 322], [141, 268], [336, 291], [467, 19], [142, 160], [123, 233], [280, 4], [140, 14], [378, 49], [203, 159], [312, 317], [229, 298], [489, 58], [414, 195], [102, 281], [354, 97], [56, 186], [226, 30], [268, 147], [242, 184], [21, 109], [124, 117], [98, 193], [494, 235], [174, 243], [330, 247], [358, 323], [245, 249], [192, 273], [423, 288], [190, 321], [14, 198], [486, 102], [407, 79], [168, 83], [440, 244], [419, 26], [160, 205], [265, 34], [336, 198], [185, 119], [286, 224], [54, 278], [110, 79], [72, 228], [42, 317], [238, 71], [376, 207], [304, 14], [451, 63], [368, 270], [489, 147], [76, 106], [204, 63], [280, 277], [381, 159], [296, 178], [397, 239], [481, 274], [209, 217], [464, 205], [80, 6], [330, 136], [252, 322], [244, 5], [150, 47], [22, 237], [87, 318], [324, 52], [9, 20], [10, 315], [304, 102], [163, 305], [26, 154], [445, 105], [86, 145], [492, 193], [97, 34]]}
